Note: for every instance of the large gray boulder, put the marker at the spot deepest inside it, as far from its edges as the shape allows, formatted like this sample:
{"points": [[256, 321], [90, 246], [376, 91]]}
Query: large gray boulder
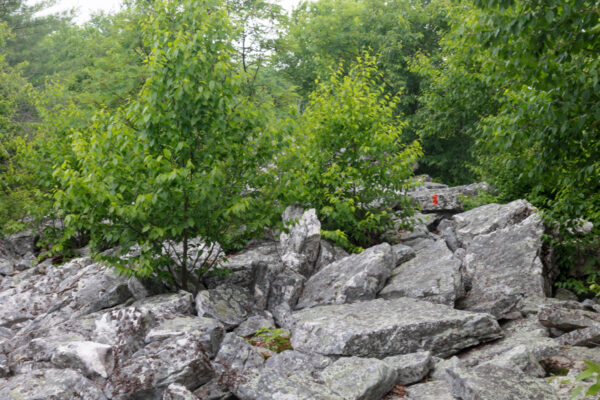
{"points": [[230, 304], [567, 316], [300, 245], [328, 254], [503, 269], [433, 275], [357, 277], [489, 218], [49, 384], [435, 390], [381, 328], [492, 382], [410, 368], [147, 373]]}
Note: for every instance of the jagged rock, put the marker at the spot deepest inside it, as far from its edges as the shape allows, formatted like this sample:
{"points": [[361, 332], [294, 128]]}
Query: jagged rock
{"points": [[381, 328], [235, 358], [589, 336], [519, 358], [410, 368], [489, 218], [241, 267], [572, 359], [436, 390], [433, 275], [357, 378], [300, 247], [446, 231], [178, 392], [291, 361], [254, 324], [328, 254], [165, 306], [90, 358], [4, 366], [286, 289], [357, 277], [151, 370], [447, 199], [492, 382], [49, 384], [504, 267], [209, 332], [403, 253], [525, 332], [567, 316], [229, 304], [213, 390]]}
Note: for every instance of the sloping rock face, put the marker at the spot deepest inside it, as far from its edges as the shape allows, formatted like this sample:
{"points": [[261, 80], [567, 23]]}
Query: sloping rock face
{"points": [[434, 275], [381, 328]]}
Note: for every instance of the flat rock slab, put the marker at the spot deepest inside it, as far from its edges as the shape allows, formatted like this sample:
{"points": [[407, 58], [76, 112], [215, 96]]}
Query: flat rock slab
{"points": [[357, 277], [496, 383], [49, 384], [589, 336], [381, 328], [410, 368], [504, 267], [567, 316], [433, 275], [436, 390]]}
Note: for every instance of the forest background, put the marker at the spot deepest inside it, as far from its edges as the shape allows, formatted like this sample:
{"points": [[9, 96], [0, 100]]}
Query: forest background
{"points": [[171, 120]]}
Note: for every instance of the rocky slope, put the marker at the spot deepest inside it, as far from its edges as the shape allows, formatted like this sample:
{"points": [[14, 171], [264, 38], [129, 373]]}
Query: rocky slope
{"points": [[460, 308]]}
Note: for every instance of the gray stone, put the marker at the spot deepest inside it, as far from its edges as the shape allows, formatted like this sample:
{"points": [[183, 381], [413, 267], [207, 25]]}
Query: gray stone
{"points": [[235, 358], [208, 331], [253, 324], [286, 289], [589, 336], [565, 294], [151, 370], [90, 358], [328, 254], [491, 382], [357, 378], [4, 366], [503, 267], [410, 368], [436, 390], [49, 384], [291, 361], [433, 275], [567, 316], [229, 304], [165, 306], [489, 218], [519, 358], [381, 328], [303, 238], [213, 390], [403, 253], [357, 277], [178, 392]]}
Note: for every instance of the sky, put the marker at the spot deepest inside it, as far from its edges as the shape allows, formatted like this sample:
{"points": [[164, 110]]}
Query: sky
{"points": [[87, 7]]}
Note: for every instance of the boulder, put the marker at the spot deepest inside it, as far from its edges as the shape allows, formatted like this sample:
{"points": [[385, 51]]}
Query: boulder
{"points": [[147, 373], [90, 358], [589, 336], [49, 384], [253, 324], [236, 357], [410, 368], [165, 306], [435, 390], [328, 254], [503, 268], [300, 246], [567, 316], [492, 382], [489, 218], [433, 275], [213, 390], [178, 392], [403, 253], [357, 277], [230, 304], [286, 289], [381, 328]]}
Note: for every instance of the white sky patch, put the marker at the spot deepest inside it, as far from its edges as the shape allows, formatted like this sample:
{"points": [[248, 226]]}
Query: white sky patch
{"points": [[85, 8]]}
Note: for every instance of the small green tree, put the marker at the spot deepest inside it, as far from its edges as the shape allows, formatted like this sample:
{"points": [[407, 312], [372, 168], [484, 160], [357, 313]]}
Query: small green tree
{"points": [[345, 158], [183, 162]]}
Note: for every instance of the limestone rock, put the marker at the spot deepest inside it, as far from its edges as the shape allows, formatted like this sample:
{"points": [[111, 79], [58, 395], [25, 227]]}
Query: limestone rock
{"points": [[410, 368], [492, 382], [92, 359], [229, 304], [433, 275], [49, 384], [357, 277], [503, 268], [381, 328]]}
